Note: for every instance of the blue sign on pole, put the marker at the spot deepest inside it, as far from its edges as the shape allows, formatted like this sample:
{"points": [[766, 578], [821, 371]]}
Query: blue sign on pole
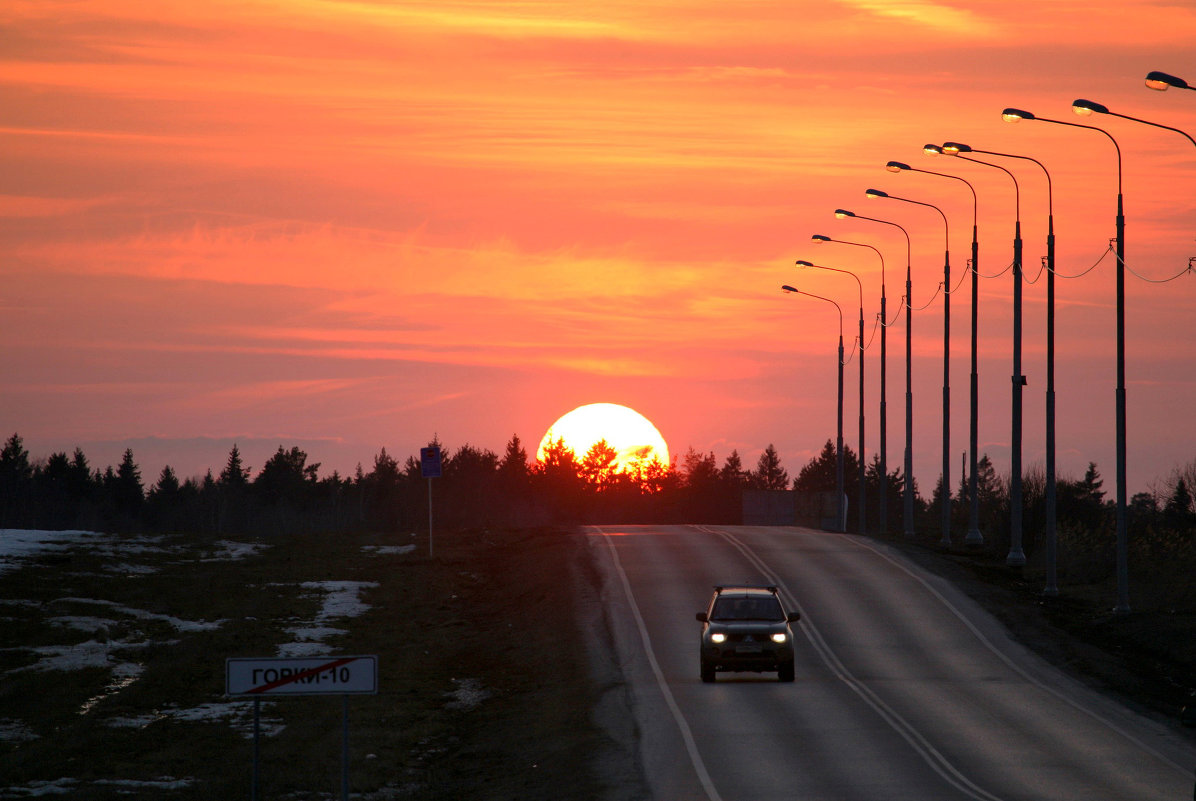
{"points": [[429, 460]]}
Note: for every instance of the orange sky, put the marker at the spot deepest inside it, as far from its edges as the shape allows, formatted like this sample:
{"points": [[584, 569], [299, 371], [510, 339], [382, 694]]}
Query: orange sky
{"points": [[349, 225]]}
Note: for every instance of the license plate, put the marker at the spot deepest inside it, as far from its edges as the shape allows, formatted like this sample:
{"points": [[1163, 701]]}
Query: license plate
{"points": [[749, 649]]}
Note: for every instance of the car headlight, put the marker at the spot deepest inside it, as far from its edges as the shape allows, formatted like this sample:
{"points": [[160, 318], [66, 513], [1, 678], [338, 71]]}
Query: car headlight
{"points": [[779, 637], [718, 637]]}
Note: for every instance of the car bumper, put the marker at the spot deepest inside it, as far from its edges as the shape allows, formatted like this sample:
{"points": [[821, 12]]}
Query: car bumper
{"points": [[734, 659]]}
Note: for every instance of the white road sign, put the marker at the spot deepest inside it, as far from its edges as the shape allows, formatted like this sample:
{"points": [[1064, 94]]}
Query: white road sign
{"points": [[313, 675]]}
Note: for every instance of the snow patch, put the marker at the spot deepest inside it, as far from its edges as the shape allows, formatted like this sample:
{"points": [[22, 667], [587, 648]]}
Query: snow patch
{"points": [[180, 625], [14, 731], [342, 599], [18, 545], [469, 694], [227, 550], [75, 786], [387, 550]]}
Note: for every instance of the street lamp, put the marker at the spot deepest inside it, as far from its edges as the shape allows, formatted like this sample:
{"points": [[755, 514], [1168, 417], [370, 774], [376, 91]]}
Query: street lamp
{"points": [[1016, 556], [842, 518], [1161, 81], [898, 166], [841, 214], [884, 414], [1086, 108], [863, 518], [946, 537], [1051, 589], [1123, 601], [973, 537]]}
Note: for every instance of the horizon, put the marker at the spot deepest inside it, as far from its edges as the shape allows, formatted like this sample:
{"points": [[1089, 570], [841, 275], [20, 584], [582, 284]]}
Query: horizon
{"points": [[1161, 487], [352, 227]]}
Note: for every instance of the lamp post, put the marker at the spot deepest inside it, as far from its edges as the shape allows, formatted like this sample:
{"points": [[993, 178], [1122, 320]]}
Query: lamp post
{"points": [[1086, 108], [1161, 81], [974, 536], [861, 495], [841, 214], [1017, 555], [1052, 589], [946, 517], [841, 522], [1123, 601], [973, 526], [884, 465]]}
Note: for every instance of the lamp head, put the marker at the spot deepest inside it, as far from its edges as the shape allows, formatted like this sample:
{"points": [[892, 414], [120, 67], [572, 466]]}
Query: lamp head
{"points": [[875, 193], [803, 263], [1086, 107], [820, 238], [1016, 115], [897, 166], [842, 213], [1162, 81], [787, 288], [955, 148], [932, 150]]}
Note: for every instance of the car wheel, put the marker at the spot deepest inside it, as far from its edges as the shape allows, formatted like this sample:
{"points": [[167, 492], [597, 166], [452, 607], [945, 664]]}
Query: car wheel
{"points": [[707, 672], [785, 672]]}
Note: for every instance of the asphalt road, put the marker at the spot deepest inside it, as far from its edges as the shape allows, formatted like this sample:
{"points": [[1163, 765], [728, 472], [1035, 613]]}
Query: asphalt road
{"points": [[905, 688]]}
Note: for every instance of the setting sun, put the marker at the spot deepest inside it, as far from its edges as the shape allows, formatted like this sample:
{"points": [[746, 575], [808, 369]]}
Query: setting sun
{"points": [[632, 435]]}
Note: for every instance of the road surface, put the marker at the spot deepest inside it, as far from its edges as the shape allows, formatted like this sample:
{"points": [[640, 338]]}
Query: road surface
{"points": [[905, 689]]}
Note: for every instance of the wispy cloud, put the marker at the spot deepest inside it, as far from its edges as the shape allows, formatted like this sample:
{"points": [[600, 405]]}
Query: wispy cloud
{"points": [[939, 17]]}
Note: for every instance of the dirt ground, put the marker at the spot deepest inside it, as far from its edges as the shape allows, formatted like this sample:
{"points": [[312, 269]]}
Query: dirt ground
{"points": [[486, 689]]}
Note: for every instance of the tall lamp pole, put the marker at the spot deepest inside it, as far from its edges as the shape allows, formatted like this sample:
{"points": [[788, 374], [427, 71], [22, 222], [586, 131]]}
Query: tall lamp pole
{"points": [[841, 522], [1085, 108], [861, 495], [884, 324], [1016, 556], [909, 353], [973, 537], [1052, 589], [1123, 601], [946, 474]]}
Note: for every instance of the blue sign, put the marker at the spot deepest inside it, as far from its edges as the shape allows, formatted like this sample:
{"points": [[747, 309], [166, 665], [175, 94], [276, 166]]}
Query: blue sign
{"points": [[429, 462]]}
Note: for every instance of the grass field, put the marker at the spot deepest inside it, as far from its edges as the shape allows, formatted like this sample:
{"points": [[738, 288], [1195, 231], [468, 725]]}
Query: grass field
{"points": [[113, 663]]}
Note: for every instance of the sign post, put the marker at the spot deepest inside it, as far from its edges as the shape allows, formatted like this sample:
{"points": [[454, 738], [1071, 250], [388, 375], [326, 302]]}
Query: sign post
{"points": [[313, 675], [429, 460]]}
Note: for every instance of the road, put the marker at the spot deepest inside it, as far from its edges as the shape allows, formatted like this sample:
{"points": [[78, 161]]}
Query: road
{"points": [[905, 688]]}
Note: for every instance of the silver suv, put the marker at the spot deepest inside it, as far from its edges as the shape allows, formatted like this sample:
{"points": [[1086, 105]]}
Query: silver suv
{"points": [[747, 629]]}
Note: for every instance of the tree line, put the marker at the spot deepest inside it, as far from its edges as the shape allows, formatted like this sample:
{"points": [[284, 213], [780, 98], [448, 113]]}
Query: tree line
{"points": [[481, 488], [477, 488]]}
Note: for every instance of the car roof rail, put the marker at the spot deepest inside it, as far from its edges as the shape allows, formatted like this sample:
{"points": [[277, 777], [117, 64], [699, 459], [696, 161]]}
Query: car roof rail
{"points": [[747, 586]]}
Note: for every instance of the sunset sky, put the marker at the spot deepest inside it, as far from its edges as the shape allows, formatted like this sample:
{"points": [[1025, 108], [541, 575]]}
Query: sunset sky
{"points": [[352, 225]]}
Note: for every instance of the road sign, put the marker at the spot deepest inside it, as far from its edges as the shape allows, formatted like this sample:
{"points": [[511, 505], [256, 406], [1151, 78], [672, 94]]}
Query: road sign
{"points": [[429, 461], [317, 675]]}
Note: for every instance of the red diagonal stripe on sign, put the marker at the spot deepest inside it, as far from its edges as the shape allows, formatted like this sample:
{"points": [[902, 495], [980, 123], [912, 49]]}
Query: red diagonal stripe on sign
{"points": [[265, 688]]}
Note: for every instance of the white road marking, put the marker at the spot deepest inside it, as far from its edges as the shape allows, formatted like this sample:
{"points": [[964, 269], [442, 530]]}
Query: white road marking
{"points": [[682, 723], [1015, 667], [930, 755]]}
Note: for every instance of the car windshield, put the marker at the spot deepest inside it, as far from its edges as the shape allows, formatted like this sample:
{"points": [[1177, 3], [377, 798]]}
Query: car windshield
{"points": [[747, 609]]}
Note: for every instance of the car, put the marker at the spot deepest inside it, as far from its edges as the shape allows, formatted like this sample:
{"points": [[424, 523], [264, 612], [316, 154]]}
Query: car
{"points": [[746, 628]]}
